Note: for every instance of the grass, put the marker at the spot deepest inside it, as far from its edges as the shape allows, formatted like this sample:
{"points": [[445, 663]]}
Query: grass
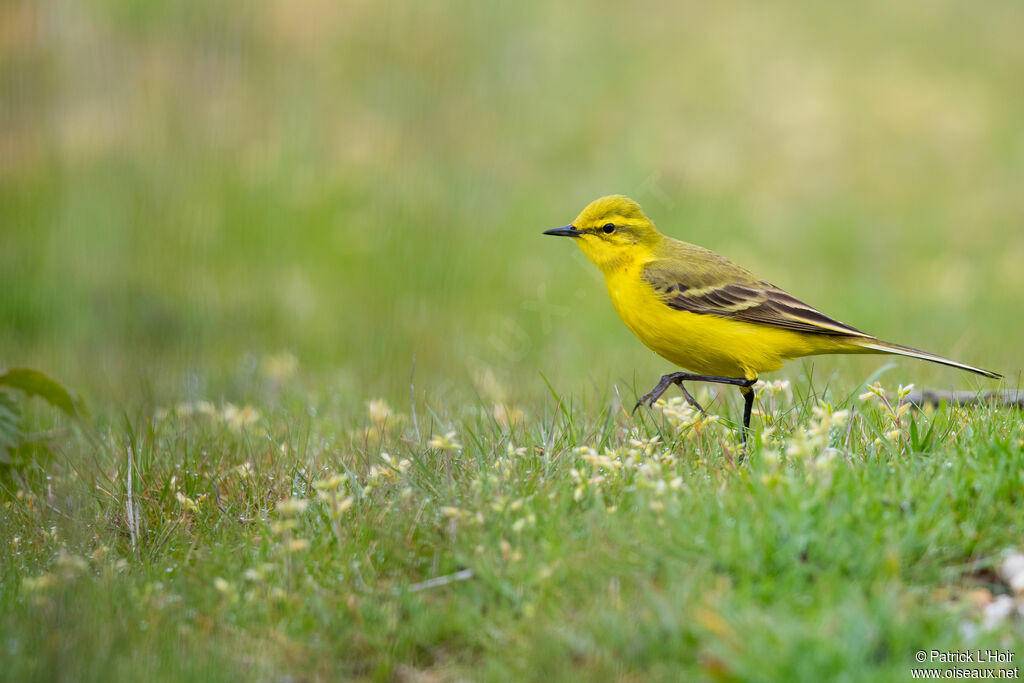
{"points": [[225, 544], [229, 230]]}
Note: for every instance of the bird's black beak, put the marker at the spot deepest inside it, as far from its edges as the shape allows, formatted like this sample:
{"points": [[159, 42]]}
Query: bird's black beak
{"points": [[567, 231]]}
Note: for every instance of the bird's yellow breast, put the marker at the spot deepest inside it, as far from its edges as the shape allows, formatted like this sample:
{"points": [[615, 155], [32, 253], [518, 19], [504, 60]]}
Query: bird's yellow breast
{"points": [[701, 343]]}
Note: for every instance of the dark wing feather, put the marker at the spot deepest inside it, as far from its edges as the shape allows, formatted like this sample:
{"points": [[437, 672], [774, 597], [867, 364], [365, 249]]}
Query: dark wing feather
{"points": [[737, 295]]}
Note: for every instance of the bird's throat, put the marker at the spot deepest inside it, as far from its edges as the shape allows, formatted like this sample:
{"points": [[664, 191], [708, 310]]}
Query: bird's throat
{"points": [[612, 260]]}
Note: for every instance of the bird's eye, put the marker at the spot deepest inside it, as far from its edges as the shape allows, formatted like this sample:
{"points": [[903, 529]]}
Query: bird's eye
{"points": [[609, 228]]}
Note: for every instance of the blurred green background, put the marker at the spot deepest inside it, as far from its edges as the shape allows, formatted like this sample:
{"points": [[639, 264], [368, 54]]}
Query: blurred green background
{"points": [[187, 187]]}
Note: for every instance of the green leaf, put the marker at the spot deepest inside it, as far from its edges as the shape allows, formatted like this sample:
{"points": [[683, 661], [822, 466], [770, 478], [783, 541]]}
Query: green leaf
{"points": [[927, 441], [10, 427], [35, 383]]}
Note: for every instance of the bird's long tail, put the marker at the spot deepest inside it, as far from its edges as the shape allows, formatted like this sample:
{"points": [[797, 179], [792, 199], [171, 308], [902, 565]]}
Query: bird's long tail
{"points": [[879, 346]]}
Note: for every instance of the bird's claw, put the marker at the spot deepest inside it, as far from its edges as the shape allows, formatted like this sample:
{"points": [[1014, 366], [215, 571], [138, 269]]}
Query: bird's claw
{"points": [[646, 399]]}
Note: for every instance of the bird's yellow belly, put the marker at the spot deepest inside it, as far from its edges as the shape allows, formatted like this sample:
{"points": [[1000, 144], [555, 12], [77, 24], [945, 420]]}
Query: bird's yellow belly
{"points": [[705, 344]]}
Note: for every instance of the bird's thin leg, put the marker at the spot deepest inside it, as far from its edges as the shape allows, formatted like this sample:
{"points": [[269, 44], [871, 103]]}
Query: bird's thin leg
{"points": [[748, 404], [678, 377]]}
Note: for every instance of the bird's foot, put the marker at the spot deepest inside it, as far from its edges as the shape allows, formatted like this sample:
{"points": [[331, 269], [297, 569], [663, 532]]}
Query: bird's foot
{"points": [[654, 394], [678, 378], [690, 399]]}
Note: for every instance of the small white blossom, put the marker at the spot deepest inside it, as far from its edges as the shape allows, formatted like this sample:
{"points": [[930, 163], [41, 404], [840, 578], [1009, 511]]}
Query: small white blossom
{"points": [[446, 442]]}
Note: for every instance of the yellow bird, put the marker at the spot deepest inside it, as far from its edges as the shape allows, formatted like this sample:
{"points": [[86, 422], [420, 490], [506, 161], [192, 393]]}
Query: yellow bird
{"points": [[704, 313]]}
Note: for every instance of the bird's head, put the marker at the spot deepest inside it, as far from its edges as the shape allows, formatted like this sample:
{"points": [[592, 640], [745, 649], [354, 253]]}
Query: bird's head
{"points": [[612, 231]]}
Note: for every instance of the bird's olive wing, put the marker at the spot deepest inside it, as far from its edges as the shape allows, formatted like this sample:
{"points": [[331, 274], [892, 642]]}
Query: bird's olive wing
{"points": [[741, 299]]}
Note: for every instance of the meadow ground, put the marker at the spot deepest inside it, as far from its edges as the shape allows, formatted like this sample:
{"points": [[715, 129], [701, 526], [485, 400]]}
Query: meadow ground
{"points": [[351, 416]]}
